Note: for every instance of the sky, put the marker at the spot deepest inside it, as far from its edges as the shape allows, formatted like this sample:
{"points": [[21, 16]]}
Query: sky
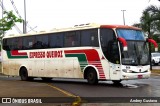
{"points": [[50, 14]]}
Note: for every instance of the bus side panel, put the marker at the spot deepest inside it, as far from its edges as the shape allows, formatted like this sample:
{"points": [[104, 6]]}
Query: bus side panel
{"points": [[31, 67], [67, 71], [115, 71], [14, 67], [11, 67], [71, 68], [39, 67], [106, 68], [65, 68], [5, 63], [5, 67], [77, 69], [51, 68]]}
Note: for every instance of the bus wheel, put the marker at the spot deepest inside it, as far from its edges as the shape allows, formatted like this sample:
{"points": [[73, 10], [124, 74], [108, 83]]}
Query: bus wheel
{"points": [[24, 74], [92, 76], [46, 79], [116, 81]]}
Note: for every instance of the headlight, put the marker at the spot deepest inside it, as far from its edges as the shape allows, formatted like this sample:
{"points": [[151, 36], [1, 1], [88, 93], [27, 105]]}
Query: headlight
{"points": [[127, 71], [130, 71], [124, 70]]}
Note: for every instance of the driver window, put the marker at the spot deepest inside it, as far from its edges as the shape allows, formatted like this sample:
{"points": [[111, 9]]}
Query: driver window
{"points": [[109, 45]]}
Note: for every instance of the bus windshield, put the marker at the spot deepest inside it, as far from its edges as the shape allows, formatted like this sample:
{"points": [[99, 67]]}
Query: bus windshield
{"points": [[137, 53], [130, 34]]}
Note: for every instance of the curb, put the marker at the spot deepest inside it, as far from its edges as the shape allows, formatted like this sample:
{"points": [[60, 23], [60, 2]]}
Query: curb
{"points": [[155, 74]]}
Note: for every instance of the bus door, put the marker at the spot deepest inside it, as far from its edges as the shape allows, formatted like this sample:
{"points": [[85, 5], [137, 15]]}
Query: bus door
{"points": [[114, 71], [114, 60]]}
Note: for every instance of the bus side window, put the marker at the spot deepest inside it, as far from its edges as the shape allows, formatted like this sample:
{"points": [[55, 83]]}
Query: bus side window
{"points": [[28, 42], [56, 40], [71, 39], [89, 37], [113, 51], [109, 45], [11, 44], [94, 37], [20, 43], [5, 44], [41, 42], [15, 44]]}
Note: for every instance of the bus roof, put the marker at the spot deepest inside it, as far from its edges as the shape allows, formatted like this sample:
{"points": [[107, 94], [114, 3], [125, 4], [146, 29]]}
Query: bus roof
{"points": [[76, 27], [120, 26]]}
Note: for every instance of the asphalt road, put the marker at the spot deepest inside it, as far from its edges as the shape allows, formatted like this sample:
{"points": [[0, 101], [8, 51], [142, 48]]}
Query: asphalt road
{"points": [[13, 87], [132, 88]]}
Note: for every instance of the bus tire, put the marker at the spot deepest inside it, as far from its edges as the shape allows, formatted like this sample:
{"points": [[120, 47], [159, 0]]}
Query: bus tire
{"points": [[24, 74], [92, 76]]}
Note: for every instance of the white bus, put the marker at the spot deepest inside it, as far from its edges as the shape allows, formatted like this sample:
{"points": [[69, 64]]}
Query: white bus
{"points": [[90, 51]]}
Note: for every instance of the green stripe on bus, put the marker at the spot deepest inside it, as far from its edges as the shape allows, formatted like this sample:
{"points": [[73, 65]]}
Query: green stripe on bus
{"points": [[15, 57], [81, 58]]}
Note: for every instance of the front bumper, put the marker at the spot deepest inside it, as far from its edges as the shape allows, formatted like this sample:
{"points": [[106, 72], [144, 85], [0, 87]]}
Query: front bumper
{"points": [[130, 76]]}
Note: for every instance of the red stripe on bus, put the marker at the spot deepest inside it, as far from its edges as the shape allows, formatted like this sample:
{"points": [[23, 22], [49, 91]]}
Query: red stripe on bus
{"points": [[92, 56], [16, 53]]}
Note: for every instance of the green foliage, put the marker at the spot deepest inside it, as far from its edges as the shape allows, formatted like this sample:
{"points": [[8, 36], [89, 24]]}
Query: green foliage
{"points": [[150, 20], [156, 38], [154, 11], [150, 23], [8, 21]]}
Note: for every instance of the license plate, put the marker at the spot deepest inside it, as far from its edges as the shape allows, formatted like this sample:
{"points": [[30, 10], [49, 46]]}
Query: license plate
{"points": [[140, 76]]}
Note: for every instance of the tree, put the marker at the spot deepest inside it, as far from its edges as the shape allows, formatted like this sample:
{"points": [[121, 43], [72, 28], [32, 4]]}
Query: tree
{"points": [[150, 23], [8, 21], [155, 11], [150, 20], [146, 21]]}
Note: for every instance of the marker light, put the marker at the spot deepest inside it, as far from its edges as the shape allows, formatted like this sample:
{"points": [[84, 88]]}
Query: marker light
{"points": [[154, 43], [124, 43]]}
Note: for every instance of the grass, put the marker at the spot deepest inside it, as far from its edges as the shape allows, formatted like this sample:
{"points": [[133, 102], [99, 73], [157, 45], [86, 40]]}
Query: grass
{"points": [[155, 71]]}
